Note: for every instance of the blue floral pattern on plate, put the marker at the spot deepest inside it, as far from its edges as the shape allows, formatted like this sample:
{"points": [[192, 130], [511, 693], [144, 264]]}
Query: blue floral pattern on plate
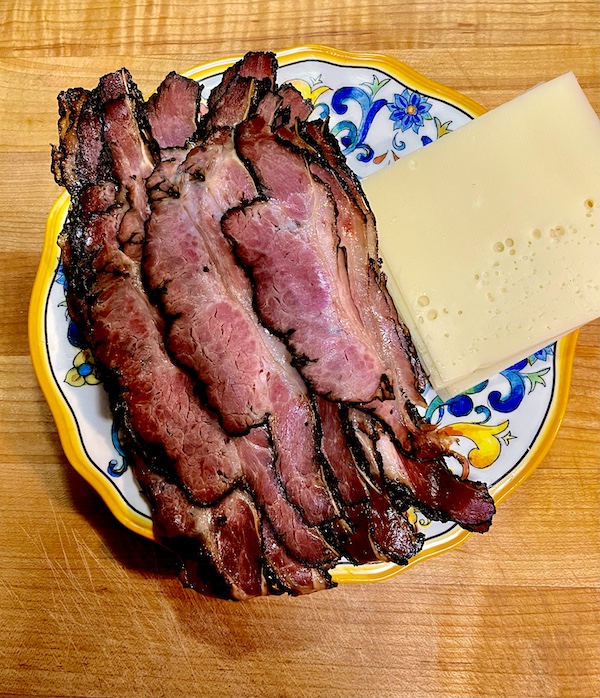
{"points": [[409, 110]]}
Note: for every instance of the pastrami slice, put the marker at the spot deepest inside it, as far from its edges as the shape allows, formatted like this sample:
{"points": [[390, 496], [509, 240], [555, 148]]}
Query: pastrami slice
{"points": [[257, 65], [288, 242], [305, 543], [287, 574], [213, 329], [220, 547], [173, 111]]}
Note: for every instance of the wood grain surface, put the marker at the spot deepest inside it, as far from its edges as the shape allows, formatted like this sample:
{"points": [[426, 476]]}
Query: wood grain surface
{"points": [[88, 608]]}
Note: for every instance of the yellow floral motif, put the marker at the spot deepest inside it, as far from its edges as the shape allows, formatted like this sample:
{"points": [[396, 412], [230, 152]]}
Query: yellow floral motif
{"points": [[484, 436], [441, 128], [83, 371], [308, 91]]}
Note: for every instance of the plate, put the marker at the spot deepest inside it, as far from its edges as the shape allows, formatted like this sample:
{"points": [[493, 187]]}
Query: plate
{"points": [[380, 110]]}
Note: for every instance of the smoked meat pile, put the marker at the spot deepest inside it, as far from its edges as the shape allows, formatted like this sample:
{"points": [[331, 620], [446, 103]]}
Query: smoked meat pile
{"points": [[223, 270]]}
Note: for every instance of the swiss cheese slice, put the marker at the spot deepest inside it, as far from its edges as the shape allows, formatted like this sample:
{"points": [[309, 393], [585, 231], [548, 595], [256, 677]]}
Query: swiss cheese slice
{"points": [[490, 236]]}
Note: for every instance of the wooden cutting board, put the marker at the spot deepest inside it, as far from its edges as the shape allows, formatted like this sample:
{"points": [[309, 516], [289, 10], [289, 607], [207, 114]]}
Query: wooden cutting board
{"points": [[88, 608]]}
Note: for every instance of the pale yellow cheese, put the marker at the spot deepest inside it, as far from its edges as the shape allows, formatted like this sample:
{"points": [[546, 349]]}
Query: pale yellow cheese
{"points": [[490, 236]]}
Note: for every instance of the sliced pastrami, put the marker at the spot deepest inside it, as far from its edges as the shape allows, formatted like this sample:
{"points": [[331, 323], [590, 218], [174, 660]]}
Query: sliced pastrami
{"points": [[361, 434], [426, 483], [255, 65], [220, 546], [213, 328], [348, 482], [378, 531], [132, 161], [259, 252], [285, 573], [160, 407], [358, 547], [355, 227], [156, 399], [165, 423], [122, 117], [241, 89], [173, 111], [356, 230], [375, 305], [293, 107], [289, 244], [307, 544], [434, 490], [391, 533], [78, 160]]}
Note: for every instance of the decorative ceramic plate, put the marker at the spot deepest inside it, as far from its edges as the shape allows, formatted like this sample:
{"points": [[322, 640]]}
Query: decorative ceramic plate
{"points": [[380, 110]]}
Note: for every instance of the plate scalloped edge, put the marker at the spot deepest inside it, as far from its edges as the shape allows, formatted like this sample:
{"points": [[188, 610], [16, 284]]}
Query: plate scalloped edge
{"points": [[65, 420]]}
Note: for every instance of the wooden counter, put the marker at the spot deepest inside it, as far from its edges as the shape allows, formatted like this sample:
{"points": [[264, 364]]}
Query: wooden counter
{"points": [[88, 608]]}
